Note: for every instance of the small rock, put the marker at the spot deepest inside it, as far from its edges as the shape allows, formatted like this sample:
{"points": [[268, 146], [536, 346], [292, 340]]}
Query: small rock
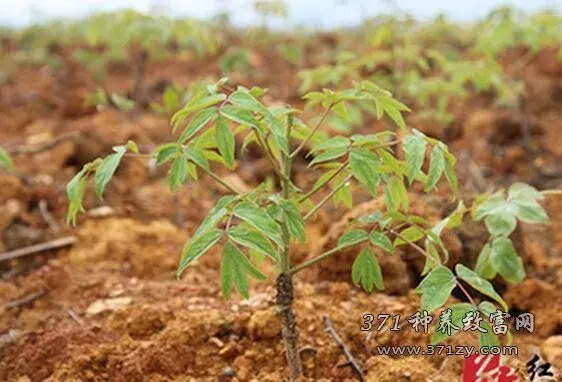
{"points": [[108, 304], [552, 350], [228, 372], [264, 324]]}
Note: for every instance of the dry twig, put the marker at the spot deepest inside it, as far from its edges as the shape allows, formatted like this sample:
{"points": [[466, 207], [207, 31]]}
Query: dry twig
{"points": [[34, 149], [25, 300], [51, 222], [33, 249], [329, 328], [75, 317]]}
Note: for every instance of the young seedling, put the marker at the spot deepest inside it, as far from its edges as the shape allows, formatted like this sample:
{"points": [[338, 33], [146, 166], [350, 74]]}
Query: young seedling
{"points": [[267, 221], [5, 160]]}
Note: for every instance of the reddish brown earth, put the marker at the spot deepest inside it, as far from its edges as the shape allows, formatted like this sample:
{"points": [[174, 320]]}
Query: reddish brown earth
{"points": [[110, 307]]}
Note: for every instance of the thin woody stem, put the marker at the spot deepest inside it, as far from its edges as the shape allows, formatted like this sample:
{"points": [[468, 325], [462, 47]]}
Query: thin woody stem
{"points": [[309, 136], [319, 187], [465, 292], [411, 243], [314, 260], [284, 284], [269, 155], [327, 197], [217, 179]]}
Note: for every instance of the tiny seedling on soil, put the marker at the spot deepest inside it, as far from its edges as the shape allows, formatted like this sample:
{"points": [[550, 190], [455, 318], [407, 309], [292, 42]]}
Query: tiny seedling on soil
{"points": [[267, 220]]}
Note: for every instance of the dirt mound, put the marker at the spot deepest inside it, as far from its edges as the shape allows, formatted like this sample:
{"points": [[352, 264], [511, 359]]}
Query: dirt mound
{"points": [[142, 250]]}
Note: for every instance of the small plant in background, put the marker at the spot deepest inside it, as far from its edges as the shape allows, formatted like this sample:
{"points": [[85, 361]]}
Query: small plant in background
{"points": [[292, 53], [235, 60], [5, 160], [100, 99], [267, 220]]}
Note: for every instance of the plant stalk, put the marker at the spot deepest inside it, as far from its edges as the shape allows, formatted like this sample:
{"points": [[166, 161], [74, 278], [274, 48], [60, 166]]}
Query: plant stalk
{"points": [[284, 283]]}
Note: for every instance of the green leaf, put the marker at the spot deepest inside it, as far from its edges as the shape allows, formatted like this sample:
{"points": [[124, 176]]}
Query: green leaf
{"points": [[382, 241], [197, 156], [484, 266], [215, 215], [236, 266], [193, 106], [344, 196], [177, 174], [198, 122], [247, 101], [500, 224], [353, 237], [254, 240], [393, 109], [436, 288], [450, 162], [330, 144], [225, 142], [248, 267], [5, 160], [197, 247], [488, 339], [238, 115], [396, 195], [529, 211], [122, 103], [436, 167], [487, 308], [409, 235], [481, 285], [227, 274], [132, 146], [367, 271], [364, 166], [495, 204], [166, 153], [294, 220], [260, 220], [433, 259], [414, 148], [241, 282], [329, 155], [506, 262], [106, 169], [454, 220], [341, 111], [458, 312], [75, 193], [521, 191]]}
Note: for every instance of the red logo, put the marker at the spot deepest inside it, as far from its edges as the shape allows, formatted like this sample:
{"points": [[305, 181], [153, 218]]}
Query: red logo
{"points": [[487, 368]]}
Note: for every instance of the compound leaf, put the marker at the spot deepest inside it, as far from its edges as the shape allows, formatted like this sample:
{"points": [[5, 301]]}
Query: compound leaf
{"points": [[367, 271], [436, 288]]}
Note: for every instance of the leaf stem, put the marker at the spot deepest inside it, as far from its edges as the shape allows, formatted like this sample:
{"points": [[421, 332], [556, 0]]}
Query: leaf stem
{"points": [[314, 260], [309, 136], [465, 292], [327, 197], [411, 243], [269, 155], [285, 263], [217, 179], [318, 187]]}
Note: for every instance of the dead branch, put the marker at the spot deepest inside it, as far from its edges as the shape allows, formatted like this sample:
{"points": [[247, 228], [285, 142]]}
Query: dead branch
{"points": [[75, 317], [34, 149], [25, 300], [51, 222], [329, 328], [33, 249]]}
